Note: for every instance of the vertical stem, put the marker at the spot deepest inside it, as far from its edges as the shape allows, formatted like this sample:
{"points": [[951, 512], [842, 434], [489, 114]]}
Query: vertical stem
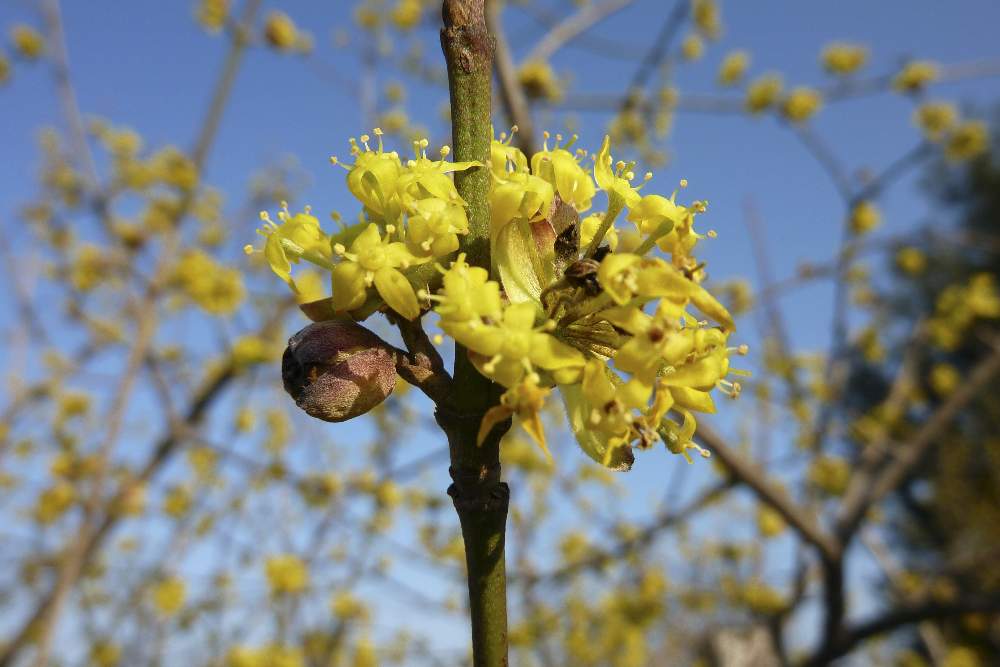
{"points": [[480, 498]]}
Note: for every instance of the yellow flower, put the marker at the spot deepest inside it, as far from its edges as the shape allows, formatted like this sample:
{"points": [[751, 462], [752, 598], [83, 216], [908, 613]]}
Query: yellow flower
{"points": [[588, 228], [468, 294], [769, 522], [511, 348], [562, 170], [841, 58], [286, 574], [177, 501], [406, 14], [297, 237], [733, 68], [969, 140], [864, 217], [280, 31], [103, 653], [212, 14], [272, 655], [608, 416], [915, 75], [706, 17], [250, 350], [617, 180], [346, 607], [944, 379], [54, 501], [4, 69], [539, 81], [27, 41], [518, 196], [692, 48], [911, 261], [374, 260], [626, 276], [761, 598], [686, 362], [217, 289], [424, 178], [763, 93], [830, 474], [168, 596], [600, 422], [935, 119], [526, 400], [801, 104], [372, 179]]}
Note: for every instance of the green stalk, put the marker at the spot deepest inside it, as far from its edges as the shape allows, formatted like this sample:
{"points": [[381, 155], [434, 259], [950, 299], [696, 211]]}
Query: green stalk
{"points": [[480, 498]]}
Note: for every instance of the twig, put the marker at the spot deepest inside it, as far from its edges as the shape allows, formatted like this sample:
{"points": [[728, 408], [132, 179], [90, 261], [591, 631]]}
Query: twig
{"points": [[661, 46], [910, 455], [639, 539], [420, 364], [768, 493], [511, 91], [572, 26]]}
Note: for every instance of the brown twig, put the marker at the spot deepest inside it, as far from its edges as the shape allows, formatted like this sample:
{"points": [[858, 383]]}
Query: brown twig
{"points": [[768, 493], [515, 102]]}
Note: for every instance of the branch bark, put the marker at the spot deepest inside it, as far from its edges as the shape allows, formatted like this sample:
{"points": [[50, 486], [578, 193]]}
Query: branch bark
{"points": [[480, 498]]}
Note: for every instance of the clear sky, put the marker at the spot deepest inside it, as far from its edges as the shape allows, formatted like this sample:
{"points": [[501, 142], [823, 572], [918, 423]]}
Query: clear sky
{"points": [[146, 64]]}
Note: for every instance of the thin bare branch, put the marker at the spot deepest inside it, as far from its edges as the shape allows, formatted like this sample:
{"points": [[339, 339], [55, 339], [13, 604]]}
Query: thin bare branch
{"points": [[515, 102], [769, 493], [573, 26], [909, 456]]}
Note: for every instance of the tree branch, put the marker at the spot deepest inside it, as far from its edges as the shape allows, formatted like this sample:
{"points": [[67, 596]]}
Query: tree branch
{"points": [[512, 95], [768, 493]]}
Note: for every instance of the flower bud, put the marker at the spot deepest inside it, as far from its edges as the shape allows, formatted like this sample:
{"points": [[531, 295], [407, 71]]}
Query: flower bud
{"points": [[337, 370]]}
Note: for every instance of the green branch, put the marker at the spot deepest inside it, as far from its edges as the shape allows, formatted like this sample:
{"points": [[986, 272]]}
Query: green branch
{"points": [[480, 498]]}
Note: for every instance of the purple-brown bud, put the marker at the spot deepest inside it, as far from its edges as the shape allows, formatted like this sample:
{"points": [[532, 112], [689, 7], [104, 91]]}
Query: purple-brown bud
{"points": [[338, 370]]}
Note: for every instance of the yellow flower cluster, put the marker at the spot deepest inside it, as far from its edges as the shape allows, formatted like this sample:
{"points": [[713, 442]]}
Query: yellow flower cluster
{"points": [[540, 81], [841, 58], [864, 217], [569, 306], [217, 289], [763, 93], [27, 42], [801, 104], [962, 140], [413, 215], [212, 14], [733, 68], [168, 596], [959, 306], [271, 655], [915, 75], [282, 34], [568, 313], [967, 141], [286, 574], [935, 119]]}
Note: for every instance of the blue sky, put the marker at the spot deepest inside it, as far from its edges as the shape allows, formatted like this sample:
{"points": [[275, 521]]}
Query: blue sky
{"points": [[147, 65]]}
